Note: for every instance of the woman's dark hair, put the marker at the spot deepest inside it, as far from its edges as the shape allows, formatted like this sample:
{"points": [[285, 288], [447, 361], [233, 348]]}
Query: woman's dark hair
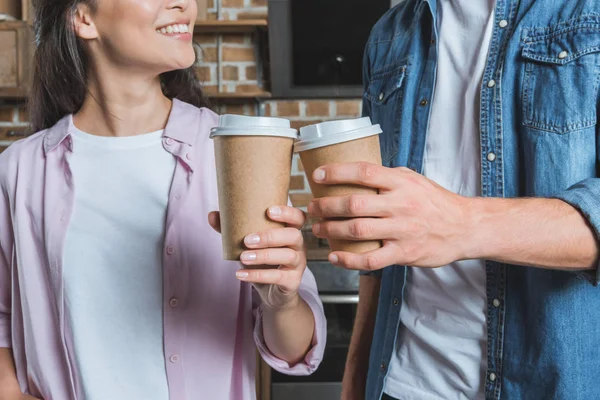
{"points": [[61, 65]]}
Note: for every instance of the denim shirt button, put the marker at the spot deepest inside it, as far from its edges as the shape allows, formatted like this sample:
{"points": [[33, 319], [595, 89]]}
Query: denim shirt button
{"points": [[491, 83], [563, 54], [396, 302], [496, 303], [503, 23], [493, 377], [491, 157], [381, 96], [383, 366]]}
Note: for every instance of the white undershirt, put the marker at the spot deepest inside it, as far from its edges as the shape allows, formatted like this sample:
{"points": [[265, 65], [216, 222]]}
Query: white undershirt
{"points": [[440, 352], [113, 272]]}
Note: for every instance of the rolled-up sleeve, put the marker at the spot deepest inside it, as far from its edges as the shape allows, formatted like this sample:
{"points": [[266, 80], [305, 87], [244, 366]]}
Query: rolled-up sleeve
{"points": [[585, 197], [309, 293], [6, 246]]}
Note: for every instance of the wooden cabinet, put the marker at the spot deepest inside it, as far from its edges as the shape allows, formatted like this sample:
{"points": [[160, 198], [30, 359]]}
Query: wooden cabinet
{"points": [[263, 379], [11, 134], [15, 58]]}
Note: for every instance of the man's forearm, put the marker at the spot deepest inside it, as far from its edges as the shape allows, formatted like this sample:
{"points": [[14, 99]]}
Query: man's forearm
{"points": [[289, 332], [546, 233], [357, 363]]}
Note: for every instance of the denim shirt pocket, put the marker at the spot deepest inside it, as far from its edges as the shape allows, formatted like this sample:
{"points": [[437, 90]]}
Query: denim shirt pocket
{"points": [[562, 74], [385, 96]]}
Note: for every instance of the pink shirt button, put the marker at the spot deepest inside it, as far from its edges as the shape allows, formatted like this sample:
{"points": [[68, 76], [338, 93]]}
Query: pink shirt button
{"points": [[170, 250], [170, 141], [174, 358], [188, 156], [174, 302]]}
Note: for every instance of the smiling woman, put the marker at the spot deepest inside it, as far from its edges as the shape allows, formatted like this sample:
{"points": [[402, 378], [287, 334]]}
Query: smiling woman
{"points": [[112, 280], [99, 33]]}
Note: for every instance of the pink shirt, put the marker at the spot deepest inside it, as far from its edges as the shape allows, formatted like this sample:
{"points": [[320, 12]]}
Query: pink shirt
{"points": [[210, 333]]}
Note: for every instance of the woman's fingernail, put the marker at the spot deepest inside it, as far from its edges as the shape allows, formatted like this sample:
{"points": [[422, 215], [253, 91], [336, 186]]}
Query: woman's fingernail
{"points": [[334, 259], [316, 228], [241, 275], [252, 239], [248, 257], [319, 175], [275, 211]]}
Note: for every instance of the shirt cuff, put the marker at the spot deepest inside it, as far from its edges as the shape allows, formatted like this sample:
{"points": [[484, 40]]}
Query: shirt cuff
{"points": [[313, 358], [584, 197]]}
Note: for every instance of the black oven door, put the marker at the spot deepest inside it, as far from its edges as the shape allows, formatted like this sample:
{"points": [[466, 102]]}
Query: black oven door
{"points": [[326, 382]]}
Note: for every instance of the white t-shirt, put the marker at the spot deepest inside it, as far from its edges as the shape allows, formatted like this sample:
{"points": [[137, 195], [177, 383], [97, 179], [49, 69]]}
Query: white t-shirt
{"points": [[440, 351], [113, 271]]}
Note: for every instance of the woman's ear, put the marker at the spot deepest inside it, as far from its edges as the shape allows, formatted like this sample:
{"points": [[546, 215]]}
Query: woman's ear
{"points": [[83, 24]]}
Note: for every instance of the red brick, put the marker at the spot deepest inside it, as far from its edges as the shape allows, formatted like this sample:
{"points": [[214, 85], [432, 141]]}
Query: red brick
{"points": [[348, 107], [288, 109], [234, 39], [251, 73], [297, 182], [209, 54], [317, 108], [299, 165], [232, 3], [300, 124], [268, 110], [231, 73], [205, 38], [234, 109], [203, 74], [301, 199], [210, 89], [6, 114], [237, 54]]}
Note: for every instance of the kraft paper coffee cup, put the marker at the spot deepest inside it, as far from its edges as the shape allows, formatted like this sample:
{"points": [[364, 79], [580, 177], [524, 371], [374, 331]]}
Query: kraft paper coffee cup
{"points": [[253, 158], [355, 140]]}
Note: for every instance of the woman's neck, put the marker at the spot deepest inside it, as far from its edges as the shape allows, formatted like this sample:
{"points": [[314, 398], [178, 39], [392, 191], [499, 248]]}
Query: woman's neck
{"points": [[120, 104]]}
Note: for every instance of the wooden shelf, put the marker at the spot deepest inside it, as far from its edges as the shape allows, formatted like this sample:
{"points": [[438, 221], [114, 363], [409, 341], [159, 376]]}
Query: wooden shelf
{"points": [[237, 97], [240, 26]]}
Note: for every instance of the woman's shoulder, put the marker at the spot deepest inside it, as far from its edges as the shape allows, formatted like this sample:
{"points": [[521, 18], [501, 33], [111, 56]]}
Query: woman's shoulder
{"points": [[23, 156]]}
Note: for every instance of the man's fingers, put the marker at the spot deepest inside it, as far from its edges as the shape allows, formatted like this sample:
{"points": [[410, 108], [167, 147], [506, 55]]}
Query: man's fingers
{"points": [[214, 220], [351, 206], [371, 261], [290, 216], [282, 237], [284, 278], [357, 229], [362, 174]]}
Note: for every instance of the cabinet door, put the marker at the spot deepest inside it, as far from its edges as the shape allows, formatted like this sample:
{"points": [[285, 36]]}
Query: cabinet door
{"points": [[14, 59]]}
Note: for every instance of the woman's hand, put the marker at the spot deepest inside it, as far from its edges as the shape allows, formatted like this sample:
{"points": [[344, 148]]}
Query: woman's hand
{"points": [[282, 248]]}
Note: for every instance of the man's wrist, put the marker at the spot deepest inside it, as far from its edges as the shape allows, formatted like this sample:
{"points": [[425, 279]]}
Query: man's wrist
{"points": [[477, 239]]}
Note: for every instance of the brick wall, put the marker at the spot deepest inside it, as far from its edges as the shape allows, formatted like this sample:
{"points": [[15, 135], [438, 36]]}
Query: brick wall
{"points": [[233, 59]]}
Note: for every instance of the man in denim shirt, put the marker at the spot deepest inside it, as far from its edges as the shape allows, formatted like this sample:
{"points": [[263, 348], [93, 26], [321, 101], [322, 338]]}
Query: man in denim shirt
{"points": [[535, 218]]}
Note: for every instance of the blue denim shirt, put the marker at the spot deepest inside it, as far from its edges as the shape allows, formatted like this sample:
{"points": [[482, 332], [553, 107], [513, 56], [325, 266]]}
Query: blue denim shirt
{"points": [[538, 138]]}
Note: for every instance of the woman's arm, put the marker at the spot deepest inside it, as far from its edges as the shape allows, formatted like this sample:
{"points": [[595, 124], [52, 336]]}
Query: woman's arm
{"points": [[9, 385]]}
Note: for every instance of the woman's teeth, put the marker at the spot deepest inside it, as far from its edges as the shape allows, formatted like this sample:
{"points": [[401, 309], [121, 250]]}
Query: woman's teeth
{"points": [[177, 28]]}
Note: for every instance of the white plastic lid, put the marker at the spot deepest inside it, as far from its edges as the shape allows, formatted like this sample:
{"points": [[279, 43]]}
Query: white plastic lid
{"points": [[240, 125], [335, 132]]}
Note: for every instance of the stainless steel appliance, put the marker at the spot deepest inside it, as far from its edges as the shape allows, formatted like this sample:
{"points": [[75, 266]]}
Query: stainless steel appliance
{"points": [[338, 289]]}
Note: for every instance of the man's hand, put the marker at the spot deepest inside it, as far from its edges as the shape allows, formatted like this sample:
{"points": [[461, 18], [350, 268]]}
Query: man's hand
{"points": [[420, 223], [282, 248]]}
